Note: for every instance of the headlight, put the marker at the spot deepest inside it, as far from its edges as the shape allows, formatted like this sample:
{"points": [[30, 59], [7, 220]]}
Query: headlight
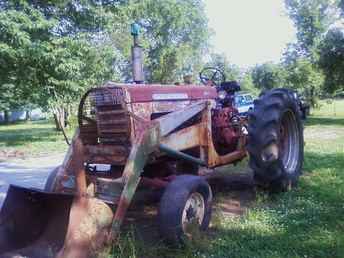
{"points": [[295, 95], [222, 94]]}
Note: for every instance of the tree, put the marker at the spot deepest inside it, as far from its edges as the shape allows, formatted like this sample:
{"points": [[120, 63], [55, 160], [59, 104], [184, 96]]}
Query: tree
{"points": [[312, 19], [16, 71], [304, 77], [314, 63], [53, 51], [247, 84], [341, 6], [268, 76], [43, 67], [174, 36], [332, 60], [220, 61]]}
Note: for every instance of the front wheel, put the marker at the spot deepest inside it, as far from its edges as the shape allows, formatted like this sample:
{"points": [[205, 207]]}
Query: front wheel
{"points": [[275, 142], [50, 184], [185, 204]]}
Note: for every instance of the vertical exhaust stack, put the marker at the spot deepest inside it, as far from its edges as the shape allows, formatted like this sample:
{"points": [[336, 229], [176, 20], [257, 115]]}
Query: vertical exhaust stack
{"points": [[137, 55]]}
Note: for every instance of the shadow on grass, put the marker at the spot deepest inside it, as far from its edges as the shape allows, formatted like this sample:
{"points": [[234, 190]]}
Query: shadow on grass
{"points": [[287, 225], [17, 137], [325, 121], [295, 241], [39, 122], [305, 222]]}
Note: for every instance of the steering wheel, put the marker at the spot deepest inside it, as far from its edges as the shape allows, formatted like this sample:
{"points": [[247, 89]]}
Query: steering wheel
{"points": [[212, 76]]}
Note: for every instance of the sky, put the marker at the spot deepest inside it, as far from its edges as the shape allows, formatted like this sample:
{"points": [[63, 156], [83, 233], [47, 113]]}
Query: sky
{"points": [[249, 32]]}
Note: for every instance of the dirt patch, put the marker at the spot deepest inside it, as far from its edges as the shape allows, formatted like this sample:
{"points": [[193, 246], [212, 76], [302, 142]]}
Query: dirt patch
{"points": [[329, 134], [11, 154], [232, 197]]}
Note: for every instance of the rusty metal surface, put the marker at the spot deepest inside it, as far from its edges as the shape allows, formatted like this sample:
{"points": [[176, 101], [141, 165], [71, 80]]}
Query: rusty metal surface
{"points": [[124, 125], [70, 177], [183, 139], [135, 113], [108, 190], [105, 125], [181, 155], [149, 93], [121, 125], [173, 120], [226, 129], [145, 144], [168, 106], [214, 158], [145, 137], [142, 110], [115, 125], [104, 154], [88, 227], [33, 223]]}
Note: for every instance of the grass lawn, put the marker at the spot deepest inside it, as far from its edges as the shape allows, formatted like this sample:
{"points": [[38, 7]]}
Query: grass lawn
{"points": [[330, 108], [305, 222], [30, 139]]}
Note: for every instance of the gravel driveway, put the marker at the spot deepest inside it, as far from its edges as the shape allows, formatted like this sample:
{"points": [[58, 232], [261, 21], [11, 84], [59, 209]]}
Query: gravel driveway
{"points": [[31, 172]]}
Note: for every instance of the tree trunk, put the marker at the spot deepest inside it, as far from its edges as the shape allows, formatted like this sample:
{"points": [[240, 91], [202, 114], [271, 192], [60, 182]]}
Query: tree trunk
{"points": [[313, 101], [66, 116], [6, 116], [27, 115], [59, 117]]}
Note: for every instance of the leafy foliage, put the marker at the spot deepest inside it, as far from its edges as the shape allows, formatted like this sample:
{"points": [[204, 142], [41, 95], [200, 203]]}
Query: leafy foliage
{"points": [[314, 62], [42, 67], [52, 51], [311, 19], [332, 60], [174, 36], [304, 77], [341, 5], [231, 71], [268, 76]]}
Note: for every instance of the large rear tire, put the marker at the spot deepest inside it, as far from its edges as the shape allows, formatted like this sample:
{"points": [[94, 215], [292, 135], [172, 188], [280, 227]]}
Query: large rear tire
{"points": [[185, 203], [275, 142]]}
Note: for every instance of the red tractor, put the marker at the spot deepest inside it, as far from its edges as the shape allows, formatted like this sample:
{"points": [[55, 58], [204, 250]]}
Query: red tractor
{"points": [[151, 137]]}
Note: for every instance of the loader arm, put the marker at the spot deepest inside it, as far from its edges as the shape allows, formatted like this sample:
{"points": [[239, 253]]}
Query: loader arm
{"points": [[146, 143]]}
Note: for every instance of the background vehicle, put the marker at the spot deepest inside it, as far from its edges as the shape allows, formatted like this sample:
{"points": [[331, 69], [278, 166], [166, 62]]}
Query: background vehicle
{"points": [[243, 102], [303, 105]]}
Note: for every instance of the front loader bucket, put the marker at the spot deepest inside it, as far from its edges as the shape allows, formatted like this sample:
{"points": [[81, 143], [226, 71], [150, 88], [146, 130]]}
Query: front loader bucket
{"points": [[37, 224]]}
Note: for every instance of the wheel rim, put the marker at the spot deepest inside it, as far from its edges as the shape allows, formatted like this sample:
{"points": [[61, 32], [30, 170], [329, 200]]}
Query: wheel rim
{"points": [[193, 212], [289, 143]]}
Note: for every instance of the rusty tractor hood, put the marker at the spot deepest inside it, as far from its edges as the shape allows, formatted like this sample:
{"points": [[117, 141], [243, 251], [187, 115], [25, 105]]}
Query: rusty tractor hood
{"points": [[140, 93], [112, 116]]}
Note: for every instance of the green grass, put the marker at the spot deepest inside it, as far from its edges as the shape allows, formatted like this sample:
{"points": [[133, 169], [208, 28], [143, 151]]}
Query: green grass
{"points": [[31, 139], [305, 222], [330, 108]]}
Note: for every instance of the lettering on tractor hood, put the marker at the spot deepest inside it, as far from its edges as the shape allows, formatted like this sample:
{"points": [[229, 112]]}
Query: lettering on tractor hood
{"points": [[169, 96]]}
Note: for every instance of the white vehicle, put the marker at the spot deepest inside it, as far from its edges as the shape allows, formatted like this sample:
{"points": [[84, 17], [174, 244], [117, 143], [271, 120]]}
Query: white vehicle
{"points": [[243, 102]]}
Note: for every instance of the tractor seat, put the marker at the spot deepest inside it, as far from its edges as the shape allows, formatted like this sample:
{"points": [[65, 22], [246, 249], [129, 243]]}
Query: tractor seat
{"points": [[230, 86]]}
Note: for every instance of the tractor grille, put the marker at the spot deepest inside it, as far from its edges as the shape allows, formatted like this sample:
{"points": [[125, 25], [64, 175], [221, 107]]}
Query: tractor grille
{"points": [[103, 118]]}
